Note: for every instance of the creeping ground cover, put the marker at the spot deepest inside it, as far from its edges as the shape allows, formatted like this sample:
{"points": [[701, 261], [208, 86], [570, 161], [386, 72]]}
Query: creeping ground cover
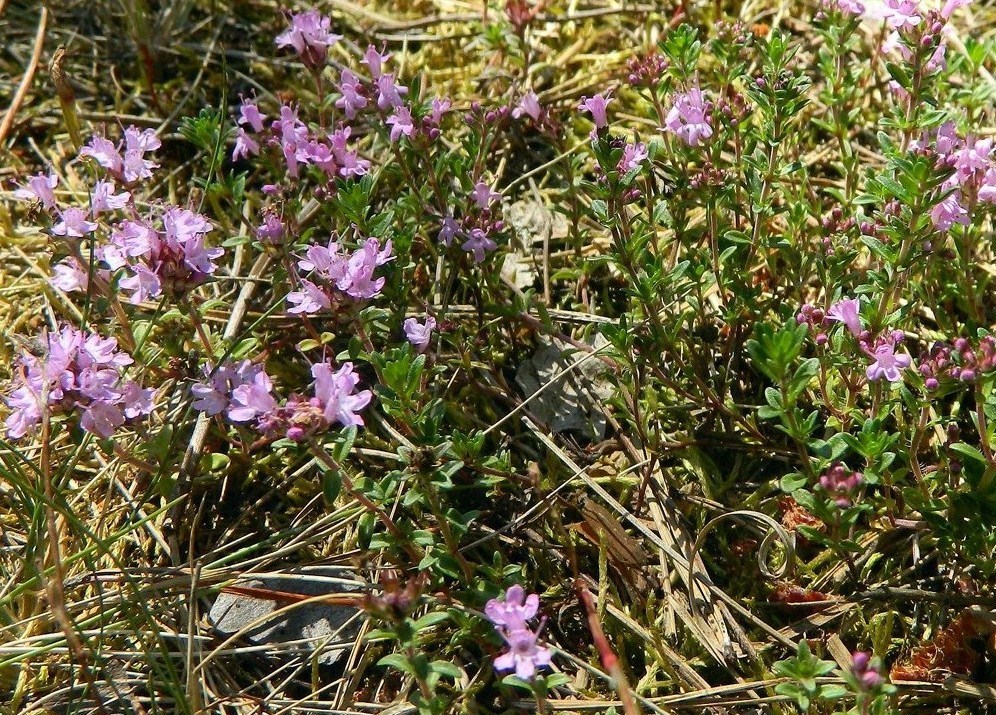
{"points": [[438, 357]]}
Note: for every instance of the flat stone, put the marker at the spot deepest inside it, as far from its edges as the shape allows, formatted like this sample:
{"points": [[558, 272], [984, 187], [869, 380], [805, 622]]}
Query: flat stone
{"points": [[329, 627]]}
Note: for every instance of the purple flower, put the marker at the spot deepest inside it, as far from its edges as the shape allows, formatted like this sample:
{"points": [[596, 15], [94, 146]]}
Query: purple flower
{"points": [[352, 99], [483, 195], [215, 395], [79, 372], [951, 5], [987, 189], [389, 92], [525, 655], [596, 106], [70, 275], [309, 35], [73, 224], [418, 334], [840, 484], [350, 164], [450, 229], [250, 115], [902, 13], [689, 117], [310, 299], [401, 123], [352, 276], [479, 243], [887, 364], [337, 393], [105, 153], [39, 188], [528, 105], [633, 155], [272, 229], [245, 145], [440, 105], [138, 143], [866, 671], [374, 61], [514, 611], [949, 212], [846, 311], [103, 198], [252, 399]]}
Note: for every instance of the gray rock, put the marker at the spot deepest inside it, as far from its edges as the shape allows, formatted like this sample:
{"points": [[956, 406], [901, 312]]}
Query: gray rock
{"points": [[302, 630], [569, 403]]}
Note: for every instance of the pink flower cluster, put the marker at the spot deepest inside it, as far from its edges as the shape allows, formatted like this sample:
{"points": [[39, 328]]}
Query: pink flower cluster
{"points": [[845, 310], [338, 276], [77, 372], [244, 392], [309, 35], [298, 144], [478, 226], [974, 177], [866, 671], [525, 655], [841, 484], [958, 361], [163, 251]]}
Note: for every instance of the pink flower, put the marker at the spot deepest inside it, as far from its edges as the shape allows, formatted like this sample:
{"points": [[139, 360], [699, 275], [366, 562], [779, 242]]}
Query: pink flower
{"points": [[309, 35], [251, 399], [39, 188], [949, 211], [987, 189], [337, 393], [840, 484], [951, 5], [103, 198], [73, 223], [138, 143], [484, 195], [846, 311], [418, 334], [902, 13], [525, 655], [689, 117], [352, 99], [401, 123], [245, 145], [250, 115], [633, 155], [528, 105], [389, 92], [105, 153], [374, 61], [514, 611], [596, 106], [887, 364], [70, 275]]}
